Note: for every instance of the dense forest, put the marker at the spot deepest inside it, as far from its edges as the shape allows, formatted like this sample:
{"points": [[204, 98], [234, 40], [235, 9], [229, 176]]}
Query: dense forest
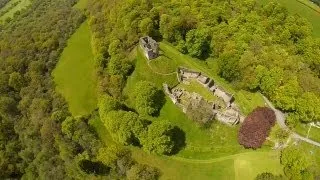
{"points": [[32, 142], [3, 3], [256, 48]]}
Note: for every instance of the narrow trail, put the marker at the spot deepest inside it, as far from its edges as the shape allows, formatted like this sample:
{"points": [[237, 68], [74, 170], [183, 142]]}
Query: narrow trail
{"points": [[209, 161], [281, 118]]}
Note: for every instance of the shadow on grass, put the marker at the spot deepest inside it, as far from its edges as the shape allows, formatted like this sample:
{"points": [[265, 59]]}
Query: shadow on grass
{"points": [[179, 137], [91, 167], [160, 102]]}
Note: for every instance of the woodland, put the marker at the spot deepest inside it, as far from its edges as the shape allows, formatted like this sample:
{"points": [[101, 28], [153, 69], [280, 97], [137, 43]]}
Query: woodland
{"points": [[256, 48]]}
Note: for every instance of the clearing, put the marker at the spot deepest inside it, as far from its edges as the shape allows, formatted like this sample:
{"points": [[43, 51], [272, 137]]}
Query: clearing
{"points": [[75, 73]]}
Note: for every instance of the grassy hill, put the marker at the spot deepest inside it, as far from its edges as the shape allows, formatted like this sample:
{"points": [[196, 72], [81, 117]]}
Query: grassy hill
{"points": [[212, 153], [305, 9]]}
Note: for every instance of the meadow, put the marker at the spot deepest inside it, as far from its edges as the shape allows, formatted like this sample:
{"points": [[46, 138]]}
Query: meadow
{"points": [[75, 74]]}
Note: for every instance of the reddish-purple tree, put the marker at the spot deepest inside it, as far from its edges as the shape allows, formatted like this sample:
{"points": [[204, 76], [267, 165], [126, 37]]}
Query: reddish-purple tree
{"points": [[256, 127]]}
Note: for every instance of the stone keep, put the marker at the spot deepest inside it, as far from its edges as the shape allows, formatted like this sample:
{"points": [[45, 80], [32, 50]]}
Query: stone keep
{"points": [[150, 47]]}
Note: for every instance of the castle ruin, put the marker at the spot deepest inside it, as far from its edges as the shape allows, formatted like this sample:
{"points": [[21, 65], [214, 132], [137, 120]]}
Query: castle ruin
{"points": [[195, 106], [150, 47]]}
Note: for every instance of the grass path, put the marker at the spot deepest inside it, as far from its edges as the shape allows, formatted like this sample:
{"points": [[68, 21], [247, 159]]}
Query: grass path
{"points": [[238, 166], [75, 73], [233, 156]]}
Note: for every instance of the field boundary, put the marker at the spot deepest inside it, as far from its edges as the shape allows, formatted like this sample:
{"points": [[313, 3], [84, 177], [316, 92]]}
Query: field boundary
{"points": [[309, 6]]}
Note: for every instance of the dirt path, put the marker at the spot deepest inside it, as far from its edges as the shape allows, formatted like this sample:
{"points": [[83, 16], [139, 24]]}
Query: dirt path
{"points": [[281, 118]]}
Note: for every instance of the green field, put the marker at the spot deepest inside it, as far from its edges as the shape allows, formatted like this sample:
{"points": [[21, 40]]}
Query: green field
{"points": [[9, 9], [75, 73], [305, 9]]}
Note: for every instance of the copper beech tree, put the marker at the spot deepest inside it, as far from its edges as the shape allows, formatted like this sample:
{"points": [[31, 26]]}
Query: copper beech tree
{"points": [[256, 127]]}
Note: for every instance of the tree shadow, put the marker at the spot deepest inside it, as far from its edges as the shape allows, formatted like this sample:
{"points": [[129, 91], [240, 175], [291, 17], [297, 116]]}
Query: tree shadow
{"points": [[179, 138], [160, 102], [91, 167]]}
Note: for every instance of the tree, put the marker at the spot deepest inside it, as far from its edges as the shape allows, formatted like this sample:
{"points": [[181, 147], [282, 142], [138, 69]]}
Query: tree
{"points": [[7, 106], [123, 126], [77, 130], [142, 172], [308, 107], [279, 134], [106, 104], [147, 98], [146, 26], [110, 154], [285, 95], [16, 81], [4, 82], [119, 65], [255, 128], [115, 48], [228, 67], [268, 176], [295, 162], [271, 81], [158, 138], [197, 42], [116, 157]]}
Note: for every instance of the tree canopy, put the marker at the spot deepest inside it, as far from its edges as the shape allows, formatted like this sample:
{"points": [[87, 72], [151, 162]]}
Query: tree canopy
{"points": [[147, 98], [256, 127]]}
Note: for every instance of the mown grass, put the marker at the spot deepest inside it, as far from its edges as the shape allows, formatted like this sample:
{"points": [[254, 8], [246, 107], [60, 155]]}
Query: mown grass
{"points": [[248, 166], [75, 73], [248, 101], [144, 73], [163, 65], [303, 129], [305, 9], [195, 86], [9, 9]]}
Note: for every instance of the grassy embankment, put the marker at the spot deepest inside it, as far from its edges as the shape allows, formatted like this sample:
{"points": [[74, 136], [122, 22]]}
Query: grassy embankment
{"points": [[12, 7], [75, 73]]}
